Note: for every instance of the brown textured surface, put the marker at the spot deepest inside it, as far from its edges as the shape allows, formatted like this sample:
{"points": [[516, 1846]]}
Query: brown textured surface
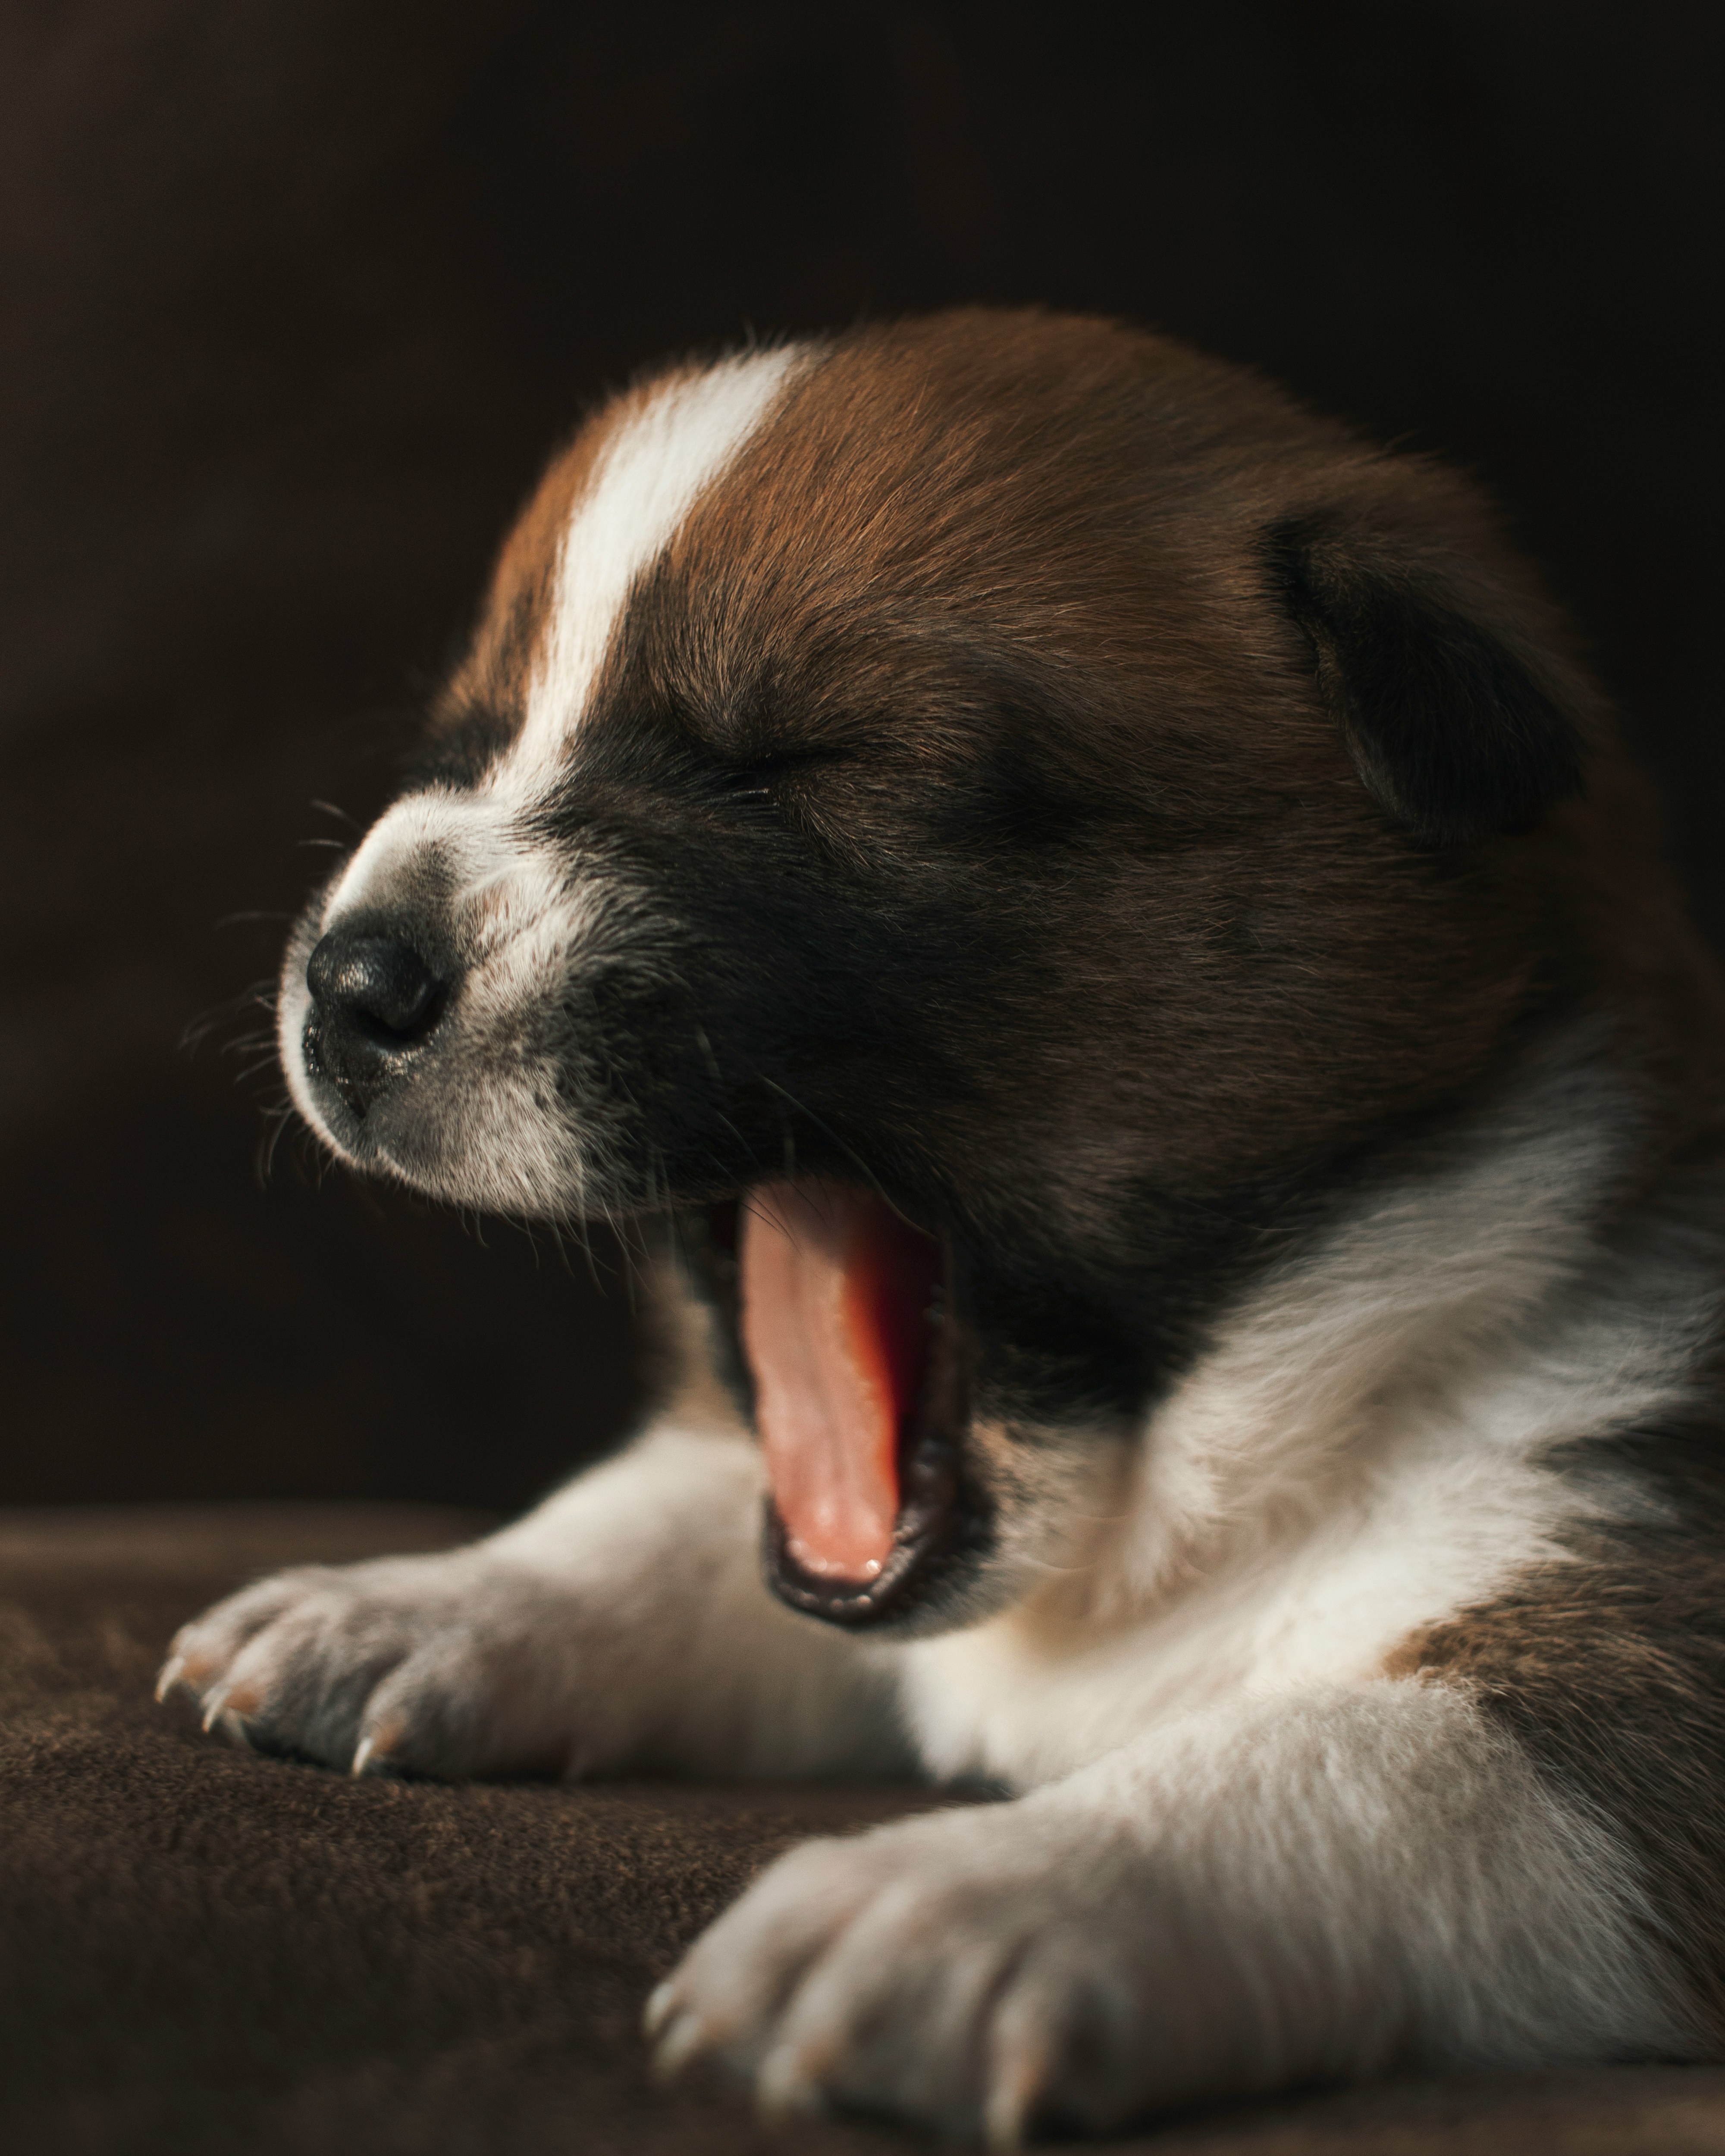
{"points": [[206, 1951]]}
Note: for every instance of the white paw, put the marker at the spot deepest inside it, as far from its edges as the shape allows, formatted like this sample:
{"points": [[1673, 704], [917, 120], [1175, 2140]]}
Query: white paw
{"points": [[451, 1665], [979, 1971]]}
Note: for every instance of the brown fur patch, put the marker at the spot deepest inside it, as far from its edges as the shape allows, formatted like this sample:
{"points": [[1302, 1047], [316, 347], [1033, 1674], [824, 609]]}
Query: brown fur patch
{"points": [[1610, 1672]]}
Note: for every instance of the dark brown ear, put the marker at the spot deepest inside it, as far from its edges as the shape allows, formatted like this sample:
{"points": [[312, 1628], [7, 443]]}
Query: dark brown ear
{"points": [[1452, 734]]}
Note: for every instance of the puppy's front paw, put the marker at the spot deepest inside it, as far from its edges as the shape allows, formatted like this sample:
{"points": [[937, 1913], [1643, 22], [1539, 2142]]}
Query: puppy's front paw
{"points": [[972, 1970], [453, 1664]]}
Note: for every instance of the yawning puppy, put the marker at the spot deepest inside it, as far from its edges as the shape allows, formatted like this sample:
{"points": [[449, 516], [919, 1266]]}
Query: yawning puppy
{"points": [[1103, 915]]}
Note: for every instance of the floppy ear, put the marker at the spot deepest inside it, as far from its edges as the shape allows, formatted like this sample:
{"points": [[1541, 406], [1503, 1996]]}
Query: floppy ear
{"points": [[1450, 733]]}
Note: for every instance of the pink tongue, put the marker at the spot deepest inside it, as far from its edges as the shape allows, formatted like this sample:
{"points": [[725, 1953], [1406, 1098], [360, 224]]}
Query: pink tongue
{"points": [[834, 1293]]}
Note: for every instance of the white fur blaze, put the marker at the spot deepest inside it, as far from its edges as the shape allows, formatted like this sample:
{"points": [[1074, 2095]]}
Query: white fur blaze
{"points": [[648, 476]]}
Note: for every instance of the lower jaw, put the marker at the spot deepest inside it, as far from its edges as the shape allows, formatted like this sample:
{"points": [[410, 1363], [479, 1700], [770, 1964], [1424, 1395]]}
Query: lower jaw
{"points": [[938, 1527]]}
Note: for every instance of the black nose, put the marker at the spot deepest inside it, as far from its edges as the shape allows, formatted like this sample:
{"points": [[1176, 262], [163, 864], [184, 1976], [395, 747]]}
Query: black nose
{"points": [[374, 999]]}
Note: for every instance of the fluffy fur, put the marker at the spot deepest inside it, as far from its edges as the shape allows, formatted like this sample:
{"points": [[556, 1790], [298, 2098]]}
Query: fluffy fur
{"points": [[1167, 848]]}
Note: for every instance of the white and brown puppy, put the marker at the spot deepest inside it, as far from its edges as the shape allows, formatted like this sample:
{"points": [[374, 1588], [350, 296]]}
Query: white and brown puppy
{"points": [[1106, 912]]}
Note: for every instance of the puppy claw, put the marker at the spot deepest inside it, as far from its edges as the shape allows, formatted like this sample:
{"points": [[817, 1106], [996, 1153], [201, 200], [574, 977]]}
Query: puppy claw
{"points": [[234, 1728], [226, 1706], [683, 2041], [784, 2087], [375, 1752], [1008, 2111], [172, 1671], [658, 2009], [1021, 2073]]}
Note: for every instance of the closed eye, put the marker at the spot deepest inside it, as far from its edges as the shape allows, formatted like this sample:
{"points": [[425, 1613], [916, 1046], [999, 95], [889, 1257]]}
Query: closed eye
{"points": [[765, 778], [751, 785]]}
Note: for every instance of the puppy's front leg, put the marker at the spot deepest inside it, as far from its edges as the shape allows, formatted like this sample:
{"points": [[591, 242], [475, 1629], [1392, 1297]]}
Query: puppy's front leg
{"points": [[1319, 1888], [623, 1624]]}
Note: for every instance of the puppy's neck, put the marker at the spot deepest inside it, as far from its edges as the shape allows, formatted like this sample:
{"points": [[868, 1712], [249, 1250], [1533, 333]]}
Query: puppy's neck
{"points": [[1487, 1305]]}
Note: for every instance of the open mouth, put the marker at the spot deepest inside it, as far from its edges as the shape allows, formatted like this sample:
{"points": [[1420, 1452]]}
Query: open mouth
{"points": [[846, 1321]]}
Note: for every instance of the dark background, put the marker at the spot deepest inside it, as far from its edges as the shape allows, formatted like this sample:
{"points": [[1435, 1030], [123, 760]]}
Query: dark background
{"points": [[295, 298]]}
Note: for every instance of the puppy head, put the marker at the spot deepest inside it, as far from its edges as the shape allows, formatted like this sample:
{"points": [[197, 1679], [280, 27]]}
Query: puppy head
{"points": [[1001, 805]]}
